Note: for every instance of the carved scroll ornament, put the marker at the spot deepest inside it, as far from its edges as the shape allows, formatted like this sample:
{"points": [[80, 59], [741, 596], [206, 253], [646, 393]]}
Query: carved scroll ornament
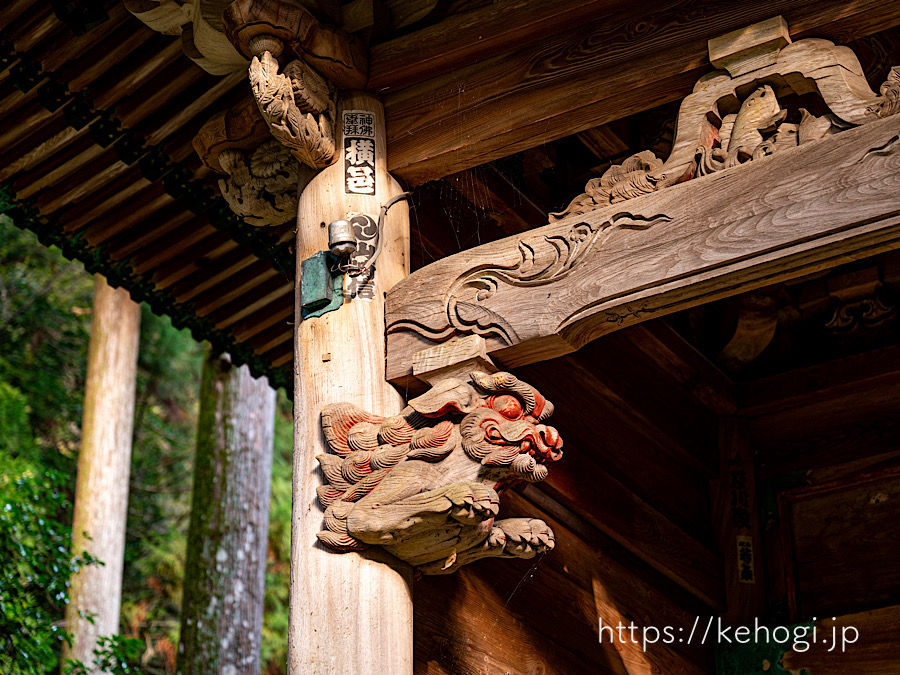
{"points": [[473, 302], [426, 484], [730, 120]]}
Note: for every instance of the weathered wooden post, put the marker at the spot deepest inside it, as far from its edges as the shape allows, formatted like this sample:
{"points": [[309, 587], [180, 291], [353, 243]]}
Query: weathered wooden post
{"points": [[348, 613], [104, 463], [225, 571]]}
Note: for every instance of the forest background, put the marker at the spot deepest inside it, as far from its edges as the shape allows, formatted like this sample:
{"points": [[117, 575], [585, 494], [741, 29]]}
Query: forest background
{"points": [[45, 319]]}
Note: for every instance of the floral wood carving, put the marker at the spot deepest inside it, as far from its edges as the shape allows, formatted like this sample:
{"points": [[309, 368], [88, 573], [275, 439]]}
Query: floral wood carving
{"points": [[299, 107], [728, 121], [467, 305], [261, 186], [426, 484]]}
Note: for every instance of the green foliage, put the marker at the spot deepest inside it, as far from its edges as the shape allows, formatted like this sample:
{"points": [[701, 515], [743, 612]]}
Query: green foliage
{"points": [[34, 579], [45, 305], [45, 314], [115, 655]]}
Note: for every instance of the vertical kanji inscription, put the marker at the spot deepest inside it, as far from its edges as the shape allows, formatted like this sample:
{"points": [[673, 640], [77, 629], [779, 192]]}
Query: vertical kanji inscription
{"points": [[359, 152]]}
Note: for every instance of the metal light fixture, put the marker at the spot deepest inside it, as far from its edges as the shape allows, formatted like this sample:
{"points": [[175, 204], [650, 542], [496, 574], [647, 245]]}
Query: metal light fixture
{"points": [[341, 241]]}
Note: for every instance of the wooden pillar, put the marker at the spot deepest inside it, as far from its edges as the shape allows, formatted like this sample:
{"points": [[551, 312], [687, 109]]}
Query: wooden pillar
{"points": [[225, 571], [104, 462], [736, 518], [349, 612]]}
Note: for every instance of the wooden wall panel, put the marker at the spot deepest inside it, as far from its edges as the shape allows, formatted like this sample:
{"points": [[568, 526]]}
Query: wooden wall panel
{"points": [[843, 540], [542, 616]]}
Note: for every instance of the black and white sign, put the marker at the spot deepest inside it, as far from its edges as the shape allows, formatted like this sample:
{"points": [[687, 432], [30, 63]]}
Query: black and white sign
{"points": [[365, 229], [359, 152]]}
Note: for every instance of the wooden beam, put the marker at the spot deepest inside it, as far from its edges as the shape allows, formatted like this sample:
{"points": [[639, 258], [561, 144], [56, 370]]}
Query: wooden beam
{"points": [[587, 76], [736, 520], [586, 488], [552, 290], [680, 359], [820, 383], [463, 39]]}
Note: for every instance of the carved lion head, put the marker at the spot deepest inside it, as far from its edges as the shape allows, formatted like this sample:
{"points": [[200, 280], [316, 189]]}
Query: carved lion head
{"points": [[503, 423]]}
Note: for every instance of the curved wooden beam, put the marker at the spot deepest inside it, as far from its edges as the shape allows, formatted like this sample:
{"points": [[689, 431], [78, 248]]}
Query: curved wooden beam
{"points": [[548, 292]]}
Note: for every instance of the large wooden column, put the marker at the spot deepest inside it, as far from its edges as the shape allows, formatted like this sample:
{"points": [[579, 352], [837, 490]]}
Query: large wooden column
{"points": [[104, 462], [349, 612]]}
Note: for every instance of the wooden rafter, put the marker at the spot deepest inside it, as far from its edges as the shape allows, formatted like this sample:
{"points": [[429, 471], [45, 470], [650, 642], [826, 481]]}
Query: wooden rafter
{"points": [[586, 76]]}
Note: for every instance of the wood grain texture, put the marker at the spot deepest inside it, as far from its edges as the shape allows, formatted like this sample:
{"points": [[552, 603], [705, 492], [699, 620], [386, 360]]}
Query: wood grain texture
{"points": [[586, 577], [551, 291], [463, 39], [874, 652], [104, 464], [613, 67], [349, 613], [583, 486]]}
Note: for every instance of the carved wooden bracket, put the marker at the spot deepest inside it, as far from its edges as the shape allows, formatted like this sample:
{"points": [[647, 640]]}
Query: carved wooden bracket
{"points": [[299, 107], [426, 484], [737, 115], [261, 174], [261, 186], [199, 24], [338, 55]]}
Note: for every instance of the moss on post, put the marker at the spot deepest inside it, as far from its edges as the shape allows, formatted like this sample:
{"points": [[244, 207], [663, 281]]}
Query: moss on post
{"points": [[224, 581]]}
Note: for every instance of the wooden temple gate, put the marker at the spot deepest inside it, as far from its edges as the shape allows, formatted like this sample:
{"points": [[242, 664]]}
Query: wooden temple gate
{"points": [[714, 317]]}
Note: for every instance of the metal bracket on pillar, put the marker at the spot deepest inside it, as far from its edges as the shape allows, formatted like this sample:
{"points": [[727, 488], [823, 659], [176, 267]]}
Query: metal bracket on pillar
{"points": [[321, 289]]}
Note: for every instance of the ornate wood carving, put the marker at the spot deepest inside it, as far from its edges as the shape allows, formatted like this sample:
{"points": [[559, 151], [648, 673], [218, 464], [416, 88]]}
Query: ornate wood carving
{"points": [[299, 107], [549, 291], [736, 116], [426, 484], [889, 101], [261, 174], [332, 51], [261, 186], [240, 128], [469, 305]]}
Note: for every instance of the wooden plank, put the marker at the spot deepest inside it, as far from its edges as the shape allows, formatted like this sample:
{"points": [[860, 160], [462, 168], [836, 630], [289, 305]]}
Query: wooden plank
{"points": [[736, 519], [702, 378], [843, 537], [587, 76], [618, 581], [822, 382], [874, 651], [463, 39], [649, 469], [586, 488], [542, 615], [809, 209], [842, 429]]}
